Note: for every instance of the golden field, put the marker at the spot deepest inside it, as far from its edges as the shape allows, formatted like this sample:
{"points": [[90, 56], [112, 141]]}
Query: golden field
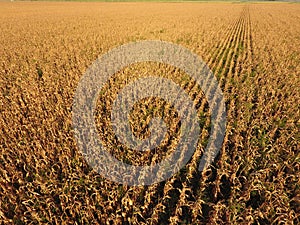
{"points": [[253, 50]]}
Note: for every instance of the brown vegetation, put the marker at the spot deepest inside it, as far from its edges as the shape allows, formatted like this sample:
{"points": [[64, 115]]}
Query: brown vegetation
{"points": [[254, 52]]}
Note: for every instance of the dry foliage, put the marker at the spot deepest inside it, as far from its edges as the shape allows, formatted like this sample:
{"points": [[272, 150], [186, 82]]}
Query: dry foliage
{"points": [[254, 52]]}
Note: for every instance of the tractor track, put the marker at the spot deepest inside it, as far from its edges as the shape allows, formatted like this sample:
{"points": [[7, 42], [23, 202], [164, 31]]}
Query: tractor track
{"points": [[185, 191]]}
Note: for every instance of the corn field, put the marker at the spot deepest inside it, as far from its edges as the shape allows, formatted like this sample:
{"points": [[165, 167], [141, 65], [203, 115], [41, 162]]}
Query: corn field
{"points": [[253, 51]]}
